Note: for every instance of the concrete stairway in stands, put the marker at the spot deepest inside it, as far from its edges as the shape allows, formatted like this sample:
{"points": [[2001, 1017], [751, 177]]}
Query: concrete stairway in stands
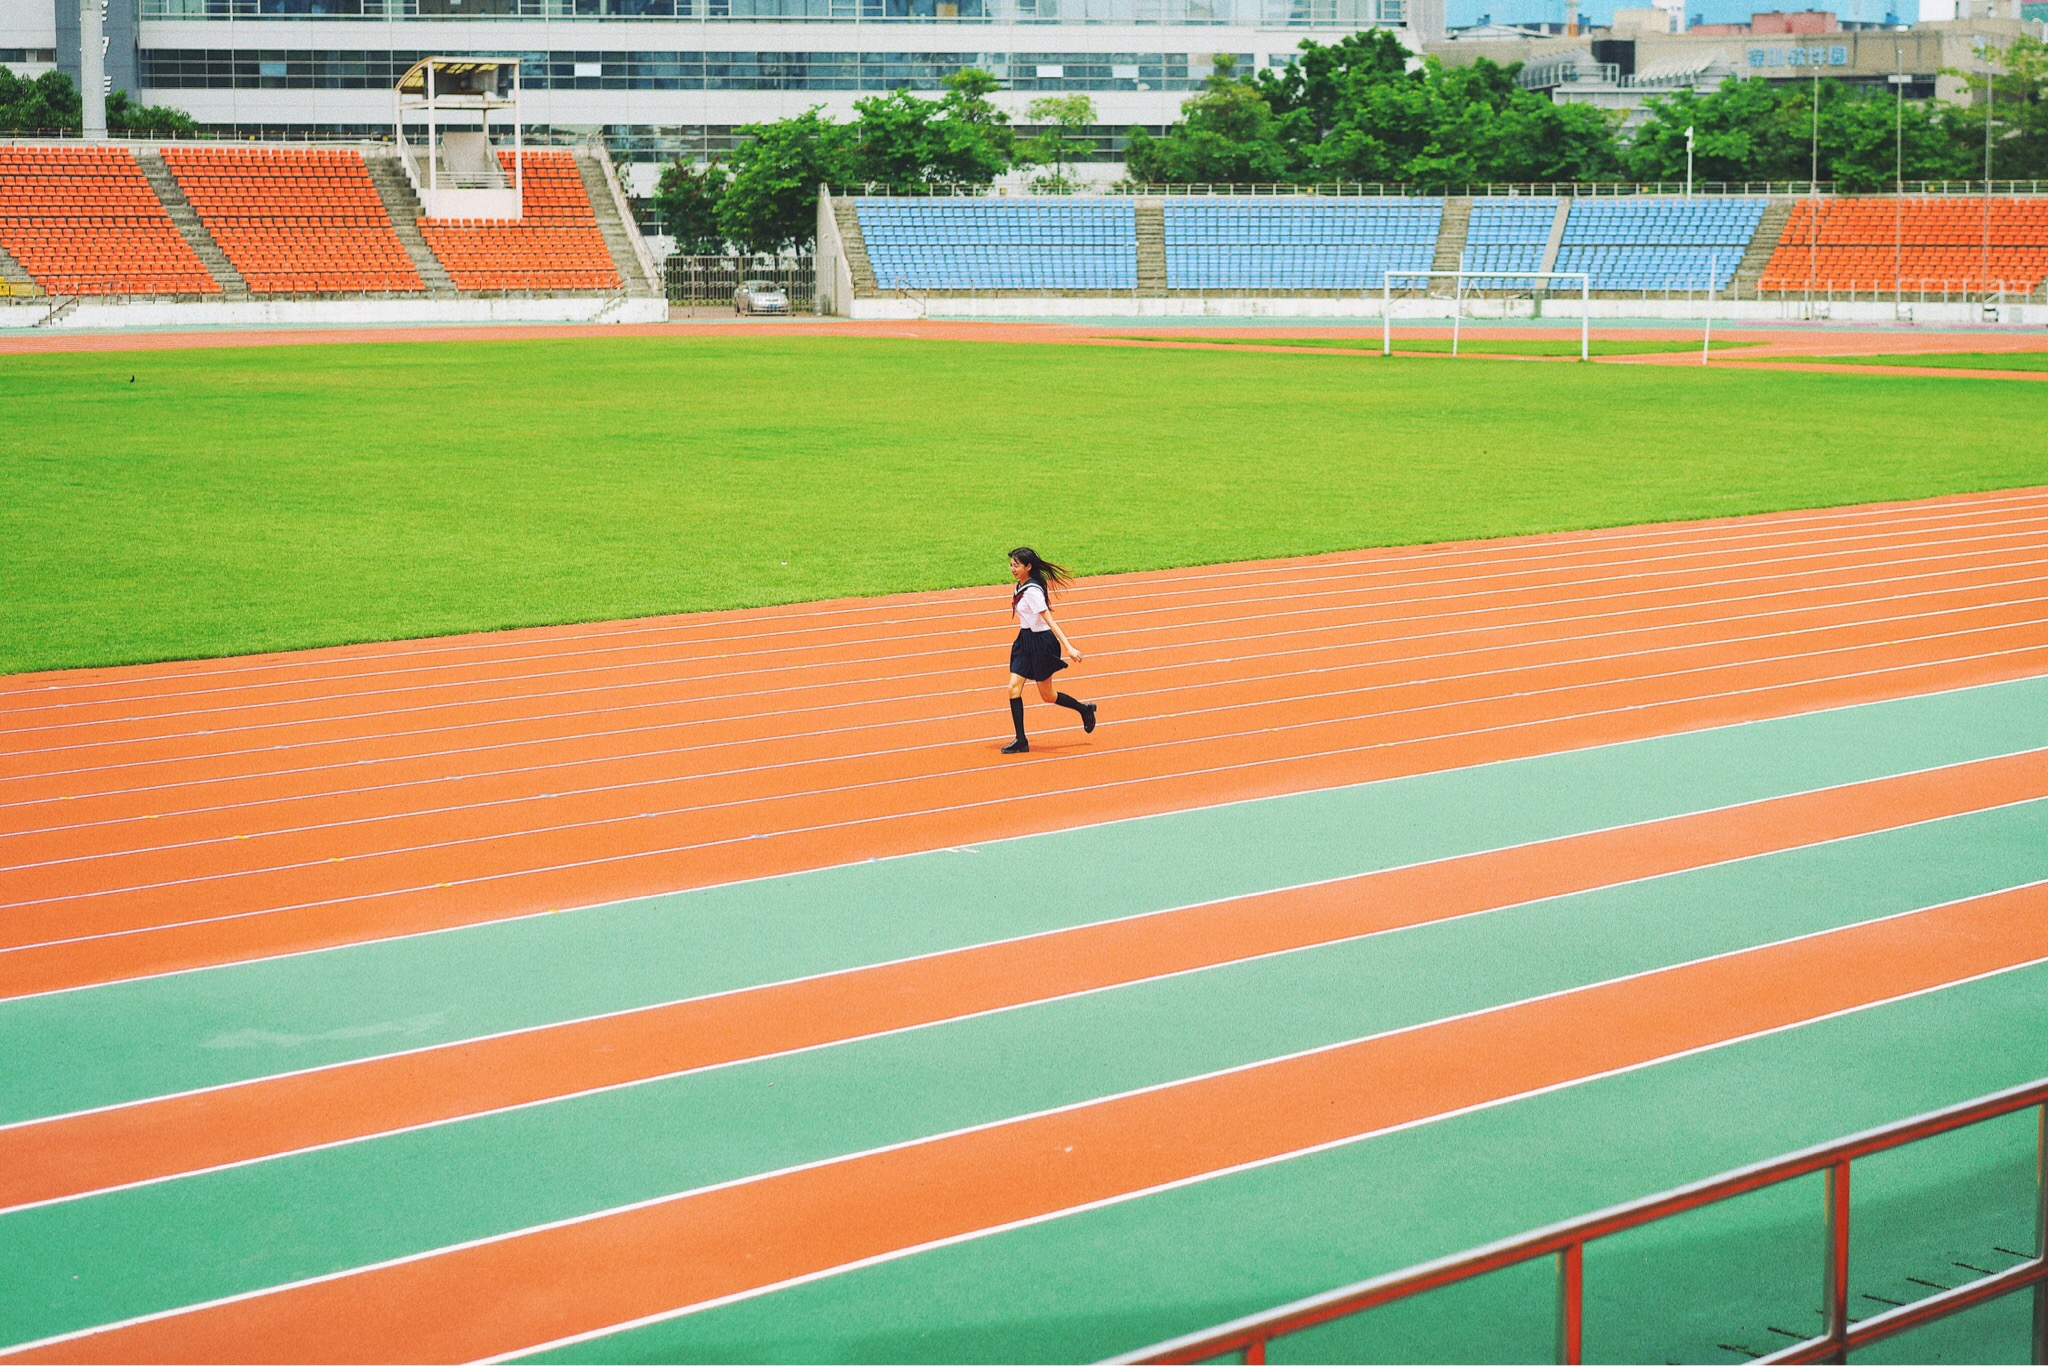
{"points": [[1152, 248], [856, 248], [17, 279], [613, 225], [404, 207], [186, 220], [1450, 235], [1750, 270]]}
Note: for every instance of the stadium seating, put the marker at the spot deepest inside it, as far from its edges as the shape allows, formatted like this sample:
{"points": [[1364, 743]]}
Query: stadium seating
{"points": [[1914, 244], [1508, 234], [295, 220], [969, 243], [83, 220], [555, 246], [1296, 243], [1658, 243]]}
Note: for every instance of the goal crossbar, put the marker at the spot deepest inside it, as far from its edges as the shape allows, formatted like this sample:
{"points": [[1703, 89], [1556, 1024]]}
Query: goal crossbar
{"points": [[1459, 277]]}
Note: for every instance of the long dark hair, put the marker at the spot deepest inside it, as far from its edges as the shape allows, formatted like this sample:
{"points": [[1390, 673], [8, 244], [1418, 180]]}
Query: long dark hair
{"points": [[1044, 573]]}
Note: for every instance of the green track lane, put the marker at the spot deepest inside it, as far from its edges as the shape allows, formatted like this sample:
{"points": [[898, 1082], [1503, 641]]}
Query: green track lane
{"points": [[124, 1253], [126, 1041], [1083, 1286]]}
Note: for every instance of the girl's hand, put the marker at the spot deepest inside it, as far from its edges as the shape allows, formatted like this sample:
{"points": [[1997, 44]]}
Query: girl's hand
{"points": [[1073, 654]]}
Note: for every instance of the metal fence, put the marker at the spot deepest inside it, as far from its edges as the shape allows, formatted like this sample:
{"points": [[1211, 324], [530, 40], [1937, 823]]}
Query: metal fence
{"points": [[707, 280], [1567, 189], [1247, 1338]]}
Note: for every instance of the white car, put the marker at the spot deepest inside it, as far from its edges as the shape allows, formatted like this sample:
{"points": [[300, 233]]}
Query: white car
{"points": [[758, 296]]}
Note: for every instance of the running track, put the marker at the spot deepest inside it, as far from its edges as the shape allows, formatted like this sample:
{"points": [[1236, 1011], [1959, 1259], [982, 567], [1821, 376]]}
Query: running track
{"points": [[852, 1038]]}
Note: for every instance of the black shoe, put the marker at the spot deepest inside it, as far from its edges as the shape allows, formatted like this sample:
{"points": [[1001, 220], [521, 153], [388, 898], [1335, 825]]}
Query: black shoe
{"points": [[1088, 719], [1017, 747]]}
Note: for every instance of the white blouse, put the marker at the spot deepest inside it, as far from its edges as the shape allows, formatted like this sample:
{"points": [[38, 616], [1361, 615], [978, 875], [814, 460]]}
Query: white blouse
{"points": [[1030, 608]]}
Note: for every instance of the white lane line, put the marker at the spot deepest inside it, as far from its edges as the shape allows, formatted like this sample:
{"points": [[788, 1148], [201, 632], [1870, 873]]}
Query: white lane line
{"points": [[1131, 718], [1162, 913], [898, 1254], [1076, 1107], [445, 697], [856, 644], [1727, 727], [1394, 559], [1809, 601], [1261, 704], [614, 859]]}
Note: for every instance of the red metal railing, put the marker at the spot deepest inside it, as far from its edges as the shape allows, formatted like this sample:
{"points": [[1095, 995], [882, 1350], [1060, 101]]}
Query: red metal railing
{"points": [[1567, 1242]]}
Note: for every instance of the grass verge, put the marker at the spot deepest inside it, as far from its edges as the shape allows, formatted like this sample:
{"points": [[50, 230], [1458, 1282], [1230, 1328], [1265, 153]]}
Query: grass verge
{"points": [[176, 504]]}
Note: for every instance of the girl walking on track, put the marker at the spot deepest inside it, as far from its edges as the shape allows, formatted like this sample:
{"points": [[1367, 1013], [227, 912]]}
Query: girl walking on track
{"points": [[1035, 654]]}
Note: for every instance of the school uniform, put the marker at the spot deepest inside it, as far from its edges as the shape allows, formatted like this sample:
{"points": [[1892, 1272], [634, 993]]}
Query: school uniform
{"points": [[1035, 654]]}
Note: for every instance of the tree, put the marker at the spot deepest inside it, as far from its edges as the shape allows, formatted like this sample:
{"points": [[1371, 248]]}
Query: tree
{"points": [[1059, 145], [1313, 93], [50, 104], [1228, 135], [771, 202], [128, 120], [1762, 130], [956, 141], [2019, 111], [46, 104], [686, 201]]}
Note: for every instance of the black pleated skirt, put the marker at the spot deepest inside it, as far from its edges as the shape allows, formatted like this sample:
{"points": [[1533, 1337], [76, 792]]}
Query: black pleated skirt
{"points": [[1036, 655]]}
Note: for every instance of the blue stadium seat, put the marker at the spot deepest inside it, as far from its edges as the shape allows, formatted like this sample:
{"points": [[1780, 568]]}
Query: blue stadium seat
{"points": [[1296, 242], [973, 243], [1508, 234], [1641, 243]]}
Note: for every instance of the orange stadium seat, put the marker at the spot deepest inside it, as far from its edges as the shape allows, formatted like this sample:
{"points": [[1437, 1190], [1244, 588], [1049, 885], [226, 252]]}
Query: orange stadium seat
{"points": [[295, 220], [1912, 244], [84, 220], [556, 245]]}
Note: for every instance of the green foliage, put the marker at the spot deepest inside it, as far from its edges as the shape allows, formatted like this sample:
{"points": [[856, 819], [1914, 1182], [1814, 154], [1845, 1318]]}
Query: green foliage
{"points": [[1763, 130], [273, 497], [957, 141], [1063, 117], [686, 201], [129, 120], [46, 104], [2018, 110], [771, 203], [1228, 134], [1361, 109], [50, 104]]}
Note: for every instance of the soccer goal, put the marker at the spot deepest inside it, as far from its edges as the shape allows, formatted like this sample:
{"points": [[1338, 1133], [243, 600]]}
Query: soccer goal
{"points": [[1463, 287]]}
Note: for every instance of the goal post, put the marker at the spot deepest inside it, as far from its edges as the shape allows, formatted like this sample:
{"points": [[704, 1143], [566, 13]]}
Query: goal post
{"points": [[1530, 281]]}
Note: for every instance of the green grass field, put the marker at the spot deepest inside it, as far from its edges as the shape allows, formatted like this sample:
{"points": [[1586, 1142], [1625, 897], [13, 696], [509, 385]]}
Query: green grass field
{"points": [[1475, 346], [224, 501], [1957, 360]]}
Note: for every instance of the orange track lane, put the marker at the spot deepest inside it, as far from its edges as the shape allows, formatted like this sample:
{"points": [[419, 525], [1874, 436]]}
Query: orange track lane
{"points": [[691, 746], [156, 890], [537, 1287], [70, 1156], [464, 883], [733, 645]]}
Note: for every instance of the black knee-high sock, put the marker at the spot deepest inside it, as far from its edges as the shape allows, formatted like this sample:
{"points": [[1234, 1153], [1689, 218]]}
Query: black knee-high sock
{"points": [[1017, 716], [1069, 703]]}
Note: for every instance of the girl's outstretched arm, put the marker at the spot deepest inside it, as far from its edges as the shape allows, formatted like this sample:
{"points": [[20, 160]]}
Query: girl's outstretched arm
{"points": [[1073, 653]]}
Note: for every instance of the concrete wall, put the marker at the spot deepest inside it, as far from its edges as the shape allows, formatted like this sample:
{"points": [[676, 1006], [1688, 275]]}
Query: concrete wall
{"points": [[92, 316]]}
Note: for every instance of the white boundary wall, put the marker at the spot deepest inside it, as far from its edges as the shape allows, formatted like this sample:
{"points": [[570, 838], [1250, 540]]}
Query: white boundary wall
{"points": [[95, 315], [1364, 305]]}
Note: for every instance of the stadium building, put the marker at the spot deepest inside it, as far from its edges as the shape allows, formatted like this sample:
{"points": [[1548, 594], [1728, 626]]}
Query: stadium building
{"points": [[677, 76]]}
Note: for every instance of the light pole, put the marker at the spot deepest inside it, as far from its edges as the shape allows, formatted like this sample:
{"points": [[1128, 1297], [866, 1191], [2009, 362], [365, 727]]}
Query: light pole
{"points": [[1688, 161], [1990, 97], [1899, 175]]}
